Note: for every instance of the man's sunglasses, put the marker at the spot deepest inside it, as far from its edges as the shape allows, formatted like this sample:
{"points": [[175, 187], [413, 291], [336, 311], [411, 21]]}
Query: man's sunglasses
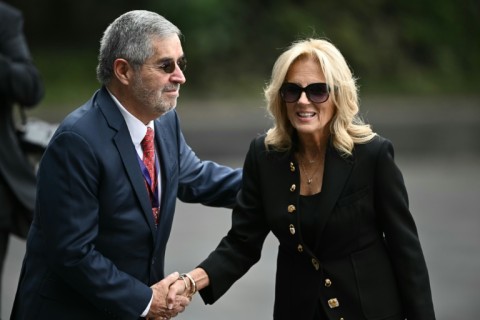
{"points": [[316, 92], [168, 65]]}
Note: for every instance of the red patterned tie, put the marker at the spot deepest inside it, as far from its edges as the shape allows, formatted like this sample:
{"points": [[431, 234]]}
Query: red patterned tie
{"points": [[149, 160]]}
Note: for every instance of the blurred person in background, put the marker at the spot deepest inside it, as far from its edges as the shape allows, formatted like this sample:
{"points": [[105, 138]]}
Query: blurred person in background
{"points": [[20, 86], [328, 188], [108, 184]]}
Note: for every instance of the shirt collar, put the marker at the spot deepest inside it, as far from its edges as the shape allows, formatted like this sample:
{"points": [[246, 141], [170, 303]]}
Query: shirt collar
{"points": [[136, 127]]}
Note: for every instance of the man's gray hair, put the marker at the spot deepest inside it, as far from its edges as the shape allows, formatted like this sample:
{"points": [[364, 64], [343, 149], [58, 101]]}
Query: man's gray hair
{"points": [[130, 37]]}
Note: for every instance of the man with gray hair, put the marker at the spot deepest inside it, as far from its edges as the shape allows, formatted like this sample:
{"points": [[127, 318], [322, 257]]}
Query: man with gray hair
{"points": [[108, 184]]}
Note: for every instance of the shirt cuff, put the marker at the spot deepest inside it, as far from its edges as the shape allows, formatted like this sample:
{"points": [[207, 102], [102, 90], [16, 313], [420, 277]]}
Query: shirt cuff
{"points": [[144, 314]]}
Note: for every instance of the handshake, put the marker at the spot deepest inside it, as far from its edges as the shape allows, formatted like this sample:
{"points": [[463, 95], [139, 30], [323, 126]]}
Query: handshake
{"points": [[173, 294]]}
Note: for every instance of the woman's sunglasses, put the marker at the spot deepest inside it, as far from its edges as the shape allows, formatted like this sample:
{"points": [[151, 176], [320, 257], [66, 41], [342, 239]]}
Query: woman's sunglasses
{"points": [[316, 92]]}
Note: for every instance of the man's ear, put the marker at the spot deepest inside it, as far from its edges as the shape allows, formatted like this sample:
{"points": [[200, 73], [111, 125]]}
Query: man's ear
{"points": [[123, 71]]}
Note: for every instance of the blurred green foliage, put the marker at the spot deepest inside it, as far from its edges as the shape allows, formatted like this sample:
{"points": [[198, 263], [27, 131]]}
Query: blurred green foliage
{"points": [[409, 46]]}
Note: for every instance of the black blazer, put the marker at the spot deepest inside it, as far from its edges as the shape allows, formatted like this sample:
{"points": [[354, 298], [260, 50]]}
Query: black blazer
{"points": [[20, 84], [370, 263]]}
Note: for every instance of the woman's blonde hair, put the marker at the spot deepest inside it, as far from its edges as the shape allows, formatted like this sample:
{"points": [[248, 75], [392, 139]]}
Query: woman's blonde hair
{"points": [[346, 126]]}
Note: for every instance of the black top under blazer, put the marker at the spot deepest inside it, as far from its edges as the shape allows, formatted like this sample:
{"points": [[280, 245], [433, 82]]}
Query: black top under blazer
{"points": [[369, 262]]}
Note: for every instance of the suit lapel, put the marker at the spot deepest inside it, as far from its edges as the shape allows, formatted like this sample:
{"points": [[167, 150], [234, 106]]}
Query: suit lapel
{"points": [[128, 155], [337, 170], [166, 159], [130, 161]]}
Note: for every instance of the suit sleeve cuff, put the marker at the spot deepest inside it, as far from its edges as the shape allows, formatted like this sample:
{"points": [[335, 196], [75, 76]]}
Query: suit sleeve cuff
{"points": [[145, 312]]}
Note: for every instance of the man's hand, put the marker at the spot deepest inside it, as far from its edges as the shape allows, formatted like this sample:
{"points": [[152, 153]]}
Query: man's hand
{"points": [[159, 309], [178, 288]]}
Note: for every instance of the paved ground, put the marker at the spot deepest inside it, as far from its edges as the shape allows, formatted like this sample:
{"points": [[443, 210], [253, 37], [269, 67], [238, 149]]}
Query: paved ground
{"points": [[439, 154]]}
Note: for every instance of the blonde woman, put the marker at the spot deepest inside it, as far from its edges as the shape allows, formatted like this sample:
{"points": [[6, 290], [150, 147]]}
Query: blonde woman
{"points": [[329, 190]]}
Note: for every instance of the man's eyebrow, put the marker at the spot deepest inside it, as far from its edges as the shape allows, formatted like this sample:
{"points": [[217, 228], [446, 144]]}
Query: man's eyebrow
{"points": [[166, 59]]}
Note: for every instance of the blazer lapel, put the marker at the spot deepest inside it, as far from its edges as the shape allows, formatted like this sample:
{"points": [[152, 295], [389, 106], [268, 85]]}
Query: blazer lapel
{"points": [[127, 153], [130, 161], [337, 170], [167, 161]]}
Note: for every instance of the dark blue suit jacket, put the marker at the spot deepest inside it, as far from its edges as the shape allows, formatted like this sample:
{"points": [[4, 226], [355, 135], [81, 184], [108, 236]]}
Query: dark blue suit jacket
{"points": [[93, 249]]}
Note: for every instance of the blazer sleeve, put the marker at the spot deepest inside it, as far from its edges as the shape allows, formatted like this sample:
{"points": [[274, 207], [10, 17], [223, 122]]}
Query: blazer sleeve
{"points": [[401, 237], [67, 213], [241, 248], [20, 80]]}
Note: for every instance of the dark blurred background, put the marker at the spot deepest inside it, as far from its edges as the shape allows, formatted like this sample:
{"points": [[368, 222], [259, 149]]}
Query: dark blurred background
{"points": [[418, 67], [409, 46]]}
